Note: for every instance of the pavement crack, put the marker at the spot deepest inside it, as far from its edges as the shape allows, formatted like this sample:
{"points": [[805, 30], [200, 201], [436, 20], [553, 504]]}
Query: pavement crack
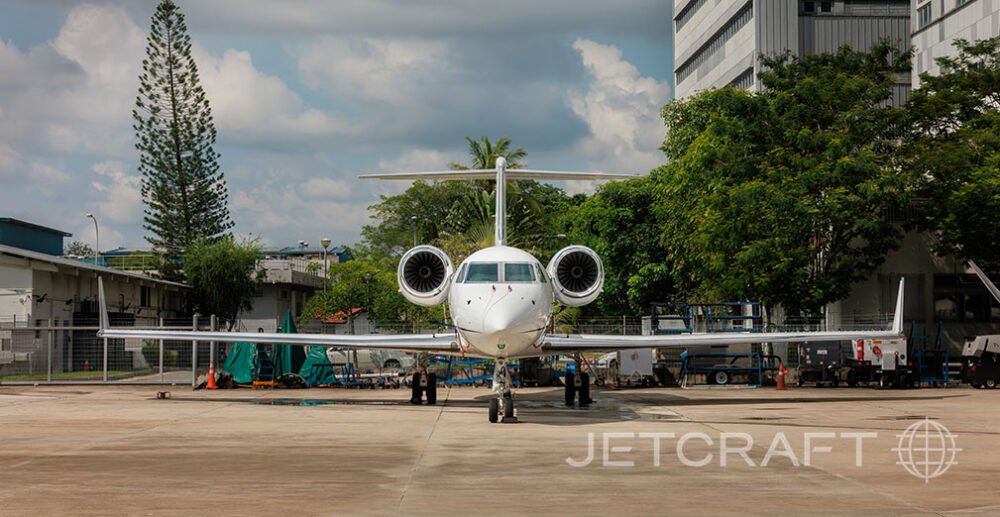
{"points": [[423, 450]]}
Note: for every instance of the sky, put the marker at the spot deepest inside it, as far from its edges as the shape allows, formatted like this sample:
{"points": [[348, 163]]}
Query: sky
{"points": [[307, 94]]}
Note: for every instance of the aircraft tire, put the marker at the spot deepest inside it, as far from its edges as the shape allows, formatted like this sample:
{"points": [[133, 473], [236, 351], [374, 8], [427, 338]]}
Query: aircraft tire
{"points": [[431, 390], [415, 392], [508, 407], [494, 410], [570, 389], [585, 389]]}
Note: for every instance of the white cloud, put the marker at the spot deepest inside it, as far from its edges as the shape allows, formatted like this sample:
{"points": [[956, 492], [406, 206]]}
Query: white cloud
{"points": [[417, 160], [371, 69], [325, 188], [251, 107], [10, 160], [621, 109], [121, 195]]}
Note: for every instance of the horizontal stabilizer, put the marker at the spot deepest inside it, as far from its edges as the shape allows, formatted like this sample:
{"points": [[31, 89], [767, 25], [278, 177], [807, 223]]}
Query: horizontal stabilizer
{"points": [[510, 174]]}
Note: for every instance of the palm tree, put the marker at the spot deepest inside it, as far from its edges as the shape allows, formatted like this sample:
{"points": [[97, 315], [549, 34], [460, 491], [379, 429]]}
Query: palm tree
{"points": [[485, 153]]}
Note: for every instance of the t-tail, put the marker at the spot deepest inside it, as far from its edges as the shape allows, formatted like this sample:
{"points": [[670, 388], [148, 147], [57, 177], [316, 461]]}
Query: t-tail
{"points": [[501, 174]]}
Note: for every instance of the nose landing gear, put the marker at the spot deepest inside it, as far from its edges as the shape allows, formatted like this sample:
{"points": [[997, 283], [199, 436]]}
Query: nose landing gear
{"points": [[504, 403]]}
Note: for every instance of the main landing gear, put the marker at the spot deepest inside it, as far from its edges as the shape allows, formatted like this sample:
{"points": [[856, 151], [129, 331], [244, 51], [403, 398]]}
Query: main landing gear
{"points": [[423, 384], [504, 403], [578, 384]]}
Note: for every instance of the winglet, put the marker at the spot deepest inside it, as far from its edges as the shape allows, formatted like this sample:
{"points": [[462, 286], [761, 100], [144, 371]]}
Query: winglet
{"points": [[102, 307], [897, 317]]}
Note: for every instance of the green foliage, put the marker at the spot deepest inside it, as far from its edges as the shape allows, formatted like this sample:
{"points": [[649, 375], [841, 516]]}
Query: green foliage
{"points": [[620, 224], [368, 284], [485, 153], [954, 152], [79, 249], [221, 275], [184, 192], [783, 196]]}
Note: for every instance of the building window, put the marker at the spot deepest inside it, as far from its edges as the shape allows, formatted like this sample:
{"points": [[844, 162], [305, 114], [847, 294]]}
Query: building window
{"points": [[713, 51], [687, 13], [744, 81], [283, 294], [826, 6], [809, 7], [144, 296], [924, 16]]}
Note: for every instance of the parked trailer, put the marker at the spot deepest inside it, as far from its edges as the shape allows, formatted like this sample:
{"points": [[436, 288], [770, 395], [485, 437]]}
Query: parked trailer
{"points": [[882, 361], [981, 361]]}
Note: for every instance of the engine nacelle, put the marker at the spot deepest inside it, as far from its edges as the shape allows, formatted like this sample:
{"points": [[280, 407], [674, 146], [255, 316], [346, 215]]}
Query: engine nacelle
{"points": [[423, 275], [577, 275]]}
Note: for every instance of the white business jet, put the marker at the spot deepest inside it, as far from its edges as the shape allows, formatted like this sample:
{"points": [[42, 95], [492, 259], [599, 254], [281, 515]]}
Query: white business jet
{"points": [[501, 301]]}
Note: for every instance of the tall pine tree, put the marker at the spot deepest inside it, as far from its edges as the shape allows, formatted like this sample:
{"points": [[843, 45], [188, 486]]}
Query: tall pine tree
{"points": [[185, 194]]}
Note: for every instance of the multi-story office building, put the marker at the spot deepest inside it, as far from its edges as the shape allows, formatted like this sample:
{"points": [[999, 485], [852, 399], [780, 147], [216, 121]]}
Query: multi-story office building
{"points": [[716, 42], [936, 23]]}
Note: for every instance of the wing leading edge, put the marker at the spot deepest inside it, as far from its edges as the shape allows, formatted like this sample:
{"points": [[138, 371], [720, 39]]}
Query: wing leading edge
{"points": [[562, 343], [433, 343]]}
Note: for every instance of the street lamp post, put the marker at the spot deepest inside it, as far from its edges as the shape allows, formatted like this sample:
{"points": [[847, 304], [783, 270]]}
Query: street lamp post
{"points": [[326, 244], [413, 221], [97, 240]]}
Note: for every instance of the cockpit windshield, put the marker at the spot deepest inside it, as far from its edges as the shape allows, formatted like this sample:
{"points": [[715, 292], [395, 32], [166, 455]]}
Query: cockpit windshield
{"points": [[483, 272], [517, 273], [490, 272]]}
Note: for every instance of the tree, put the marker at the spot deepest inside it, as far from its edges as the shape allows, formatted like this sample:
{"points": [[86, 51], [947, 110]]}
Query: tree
{"points": [[184, 191], [784, 196], [417, 214], [367, 284], [79, 249], [221, 275], [954, 152], [485, 153], [619, 223]]}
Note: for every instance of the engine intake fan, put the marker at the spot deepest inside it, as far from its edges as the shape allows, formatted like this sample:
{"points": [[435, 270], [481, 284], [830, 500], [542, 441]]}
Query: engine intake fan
{"points": [[423, 275], [578, 275]]}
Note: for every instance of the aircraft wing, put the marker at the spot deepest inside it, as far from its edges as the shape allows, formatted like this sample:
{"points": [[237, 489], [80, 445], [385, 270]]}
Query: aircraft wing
{"points": [[563, 343], [432, 343]]}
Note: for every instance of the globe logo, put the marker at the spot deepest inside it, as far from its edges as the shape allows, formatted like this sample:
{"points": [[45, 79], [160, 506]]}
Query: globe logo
{"points": [[926, 449]]}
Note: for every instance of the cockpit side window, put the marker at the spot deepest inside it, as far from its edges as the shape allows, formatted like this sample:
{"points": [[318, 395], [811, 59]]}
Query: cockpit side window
{"points": [[460, 276], [483, 272], [541, 273], [517, 273]]}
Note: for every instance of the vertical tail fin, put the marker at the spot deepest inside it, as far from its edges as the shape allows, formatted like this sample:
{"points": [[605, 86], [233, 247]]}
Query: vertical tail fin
{"points": [[102, 307], [897, 317]]}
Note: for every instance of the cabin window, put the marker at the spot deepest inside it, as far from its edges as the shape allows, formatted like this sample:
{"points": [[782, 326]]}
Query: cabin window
{"points": [[483, 272], [517, 273]]}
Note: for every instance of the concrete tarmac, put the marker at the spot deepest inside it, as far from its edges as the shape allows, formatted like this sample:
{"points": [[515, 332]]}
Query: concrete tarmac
{"points": [[116, 450]]}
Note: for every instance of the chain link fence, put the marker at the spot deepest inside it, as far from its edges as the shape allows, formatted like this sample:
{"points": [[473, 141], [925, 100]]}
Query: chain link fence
{"points": [[69, 352]]}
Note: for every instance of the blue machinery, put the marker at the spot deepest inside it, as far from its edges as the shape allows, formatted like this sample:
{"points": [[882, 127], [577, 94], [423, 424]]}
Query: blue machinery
{"points": [[718, 317], [931, 364]]}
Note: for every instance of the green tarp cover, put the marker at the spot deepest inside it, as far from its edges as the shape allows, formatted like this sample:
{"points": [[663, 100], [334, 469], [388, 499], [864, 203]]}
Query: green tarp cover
{"points": [[240, 362], [288, 358], [317, 355]]}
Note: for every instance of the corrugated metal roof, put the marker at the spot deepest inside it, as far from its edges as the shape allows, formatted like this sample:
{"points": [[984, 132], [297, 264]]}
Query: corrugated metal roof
{"points": [[52, 259]]}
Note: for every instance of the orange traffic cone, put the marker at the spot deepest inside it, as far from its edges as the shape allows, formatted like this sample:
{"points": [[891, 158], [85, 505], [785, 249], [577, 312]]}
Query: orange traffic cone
{"points": [[781, 378], [211, 376]]}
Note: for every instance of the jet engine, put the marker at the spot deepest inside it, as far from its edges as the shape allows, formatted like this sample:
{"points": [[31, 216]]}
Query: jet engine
{"points": [[577, 275], [423, 275]]}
